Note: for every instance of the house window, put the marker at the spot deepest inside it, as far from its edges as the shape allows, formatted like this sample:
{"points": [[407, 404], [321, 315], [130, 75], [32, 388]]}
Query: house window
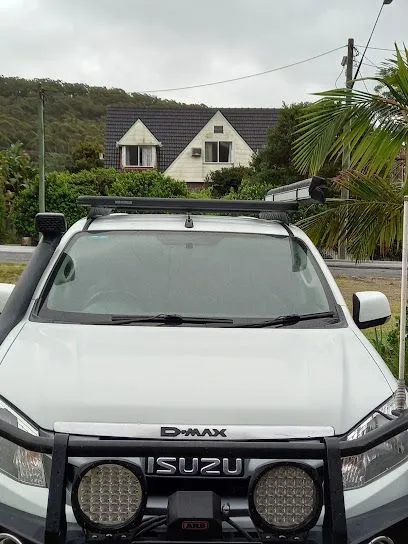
{"points": [[218, 129], [138, 155], [218, 151]]}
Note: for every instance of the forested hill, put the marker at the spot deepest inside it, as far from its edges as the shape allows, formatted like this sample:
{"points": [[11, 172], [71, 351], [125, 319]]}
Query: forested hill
{"points": [[73, 112]]}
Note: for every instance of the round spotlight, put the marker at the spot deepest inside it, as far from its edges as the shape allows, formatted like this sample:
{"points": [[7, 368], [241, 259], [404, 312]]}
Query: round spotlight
{"points": [[109, 496], [285, 498]]}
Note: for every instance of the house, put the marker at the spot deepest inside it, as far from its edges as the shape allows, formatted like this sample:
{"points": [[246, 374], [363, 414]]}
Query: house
{"points": [[185, 143]]}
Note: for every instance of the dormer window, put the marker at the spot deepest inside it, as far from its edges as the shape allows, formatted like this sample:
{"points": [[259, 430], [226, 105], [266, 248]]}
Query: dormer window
{"points": [[139, 156]]}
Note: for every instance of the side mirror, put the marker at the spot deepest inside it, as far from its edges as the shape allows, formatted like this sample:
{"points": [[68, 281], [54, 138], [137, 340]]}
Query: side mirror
{"points": [[5, 292], [370, 309]]}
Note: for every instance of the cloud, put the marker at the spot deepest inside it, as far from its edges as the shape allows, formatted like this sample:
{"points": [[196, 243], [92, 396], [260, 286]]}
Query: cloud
{"points": [[153, 44]]}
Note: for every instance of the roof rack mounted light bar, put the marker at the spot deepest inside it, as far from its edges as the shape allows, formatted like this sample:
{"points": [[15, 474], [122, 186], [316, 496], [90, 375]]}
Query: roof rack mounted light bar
{"points": [[312, 189], [98, 204]]}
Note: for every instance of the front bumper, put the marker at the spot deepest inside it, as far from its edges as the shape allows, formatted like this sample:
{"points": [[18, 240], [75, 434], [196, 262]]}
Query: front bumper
{"points": [[386, 520], [335, 529]]}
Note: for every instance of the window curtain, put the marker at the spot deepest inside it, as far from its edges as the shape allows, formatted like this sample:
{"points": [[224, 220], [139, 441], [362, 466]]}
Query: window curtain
{"points": [[146, 156]]}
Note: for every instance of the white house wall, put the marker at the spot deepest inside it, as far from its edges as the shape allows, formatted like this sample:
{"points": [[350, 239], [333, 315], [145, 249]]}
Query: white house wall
{"points": [[138, 134], [194, 169]]}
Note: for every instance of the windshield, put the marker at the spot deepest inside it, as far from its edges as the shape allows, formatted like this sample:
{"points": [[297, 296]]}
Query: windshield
{"points": [[201, 274]]}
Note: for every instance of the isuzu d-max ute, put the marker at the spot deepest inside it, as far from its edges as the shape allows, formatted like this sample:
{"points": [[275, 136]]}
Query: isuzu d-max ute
{"points": [[188, 370]]}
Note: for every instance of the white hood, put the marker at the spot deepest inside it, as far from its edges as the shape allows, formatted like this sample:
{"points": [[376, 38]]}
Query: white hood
{"points": [[191, 376]]}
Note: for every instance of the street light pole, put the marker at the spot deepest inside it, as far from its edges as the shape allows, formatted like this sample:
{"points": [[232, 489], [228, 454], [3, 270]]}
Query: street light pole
{"points": [[385, 3], [41, 189]]}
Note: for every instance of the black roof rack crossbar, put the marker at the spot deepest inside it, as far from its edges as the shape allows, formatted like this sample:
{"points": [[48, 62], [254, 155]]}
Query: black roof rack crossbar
{"points": [[127, 204]]}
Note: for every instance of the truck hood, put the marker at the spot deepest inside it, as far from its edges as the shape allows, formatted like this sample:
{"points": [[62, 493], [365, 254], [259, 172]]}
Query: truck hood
{"points": [[192, 376]]}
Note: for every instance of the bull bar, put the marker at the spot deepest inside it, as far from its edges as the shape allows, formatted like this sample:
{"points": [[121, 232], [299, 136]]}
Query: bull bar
{"points": [[330, 450]]}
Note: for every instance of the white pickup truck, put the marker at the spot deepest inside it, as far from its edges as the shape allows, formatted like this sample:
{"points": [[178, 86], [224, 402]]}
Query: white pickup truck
{"points": [[193, 375]]}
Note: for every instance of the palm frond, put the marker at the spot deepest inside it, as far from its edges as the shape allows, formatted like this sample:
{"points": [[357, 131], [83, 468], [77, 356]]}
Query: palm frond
{"points": [[372, 127], [371, 219]]}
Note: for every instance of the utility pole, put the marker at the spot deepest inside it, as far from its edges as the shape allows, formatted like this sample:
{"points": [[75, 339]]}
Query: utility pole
{"points": [[41, 190], [345, 193]]}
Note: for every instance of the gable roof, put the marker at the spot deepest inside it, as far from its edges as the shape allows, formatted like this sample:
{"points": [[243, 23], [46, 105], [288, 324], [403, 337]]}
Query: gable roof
{"points": [[176, 127], [137, 134]]}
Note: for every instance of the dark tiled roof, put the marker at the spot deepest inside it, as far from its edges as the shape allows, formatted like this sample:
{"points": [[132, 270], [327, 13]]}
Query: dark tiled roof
{"points": [[176, 127]]}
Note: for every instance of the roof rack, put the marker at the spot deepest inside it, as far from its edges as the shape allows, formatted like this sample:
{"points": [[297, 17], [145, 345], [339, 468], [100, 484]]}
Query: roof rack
{"points": [[103, 205], [311, 189]]}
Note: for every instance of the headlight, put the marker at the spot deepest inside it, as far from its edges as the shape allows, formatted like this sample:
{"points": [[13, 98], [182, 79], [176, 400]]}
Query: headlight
{"points": [[363, 469], [285, 498], [109, 496], [18, 463]]}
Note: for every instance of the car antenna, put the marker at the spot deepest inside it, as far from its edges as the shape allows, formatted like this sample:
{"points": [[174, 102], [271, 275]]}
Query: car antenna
{"points": [[401, 396]]}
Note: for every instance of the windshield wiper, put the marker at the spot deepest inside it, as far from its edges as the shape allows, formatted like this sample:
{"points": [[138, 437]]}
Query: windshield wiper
{"points": [[166, 319], [284, 320]]}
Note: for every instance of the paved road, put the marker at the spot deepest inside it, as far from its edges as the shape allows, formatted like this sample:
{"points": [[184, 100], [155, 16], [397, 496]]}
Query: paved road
{"points": [[378, 269], [375, 269], [15, 254], [365, 272]]}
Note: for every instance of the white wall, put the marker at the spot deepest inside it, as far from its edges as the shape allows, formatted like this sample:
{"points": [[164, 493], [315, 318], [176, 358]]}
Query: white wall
{"points": [[138, 134], [194, 169]]}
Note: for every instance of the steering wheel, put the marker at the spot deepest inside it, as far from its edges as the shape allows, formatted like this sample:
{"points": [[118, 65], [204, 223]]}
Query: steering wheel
{"points": [[113, 301]]}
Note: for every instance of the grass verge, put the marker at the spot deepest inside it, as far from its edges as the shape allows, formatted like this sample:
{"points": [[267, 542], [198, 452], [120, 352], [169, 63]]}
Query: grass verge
{"points": [[10, 272]]}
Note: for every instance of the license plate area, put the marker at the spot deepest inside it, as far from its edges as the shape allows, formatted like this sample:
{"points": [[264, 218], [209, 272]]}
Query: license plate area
{"points": [[203, 467]]}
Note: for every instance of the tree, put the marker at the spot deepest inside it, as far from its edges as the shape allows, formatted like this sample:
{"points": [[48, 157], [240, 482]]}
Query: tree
{"points": [[16, 169], [371, 127], [16, 172], [62, 190], [273, 165], [86, 156], [74, 112], [222, 181], [373, 213]]}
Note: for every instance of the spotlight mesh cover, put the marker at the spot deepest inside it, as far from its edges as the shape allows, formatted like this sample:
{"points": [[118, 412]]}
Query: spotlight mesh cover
{"points": [[110, 494], [285, 497]]}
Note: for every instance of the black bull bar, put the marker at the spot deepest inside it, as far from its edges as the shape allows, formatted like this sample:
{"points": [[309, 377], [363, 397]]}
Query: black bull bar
{"points": [[330, 450]]}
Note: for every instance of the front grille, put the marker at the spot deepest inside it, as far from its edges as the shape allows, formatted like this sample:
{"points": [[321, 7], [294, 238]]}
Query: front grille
{"points": [[225, 487]]}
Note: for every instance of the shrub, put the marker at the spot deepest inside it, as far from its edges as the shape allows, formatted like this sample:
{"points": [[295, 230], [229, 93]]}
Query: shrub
{"points": [[250, 190], [60, 195], [227, 179], [3, 215], [152, 183], [387, 345], [203, 194], [62, 190]]}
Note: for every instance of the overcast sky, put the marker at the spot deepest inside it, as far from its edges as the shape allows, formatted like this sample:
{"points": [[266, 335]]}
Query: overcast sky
{"points": [[142, 45]]}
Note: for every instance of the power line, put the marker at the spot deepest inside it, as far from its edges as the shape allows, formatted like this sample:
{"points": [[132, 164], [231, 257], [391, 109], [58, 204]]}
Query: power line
{"points": [[244, 77], [372, 63], [369, 39], [377, 48], [339, 76], [364, 83], [369, 65]]}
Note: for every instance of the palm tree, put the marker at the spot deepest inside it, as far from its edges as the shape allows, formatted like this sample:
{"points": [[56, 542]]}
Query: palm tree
{"points": [[370, 221], [372, 128]]}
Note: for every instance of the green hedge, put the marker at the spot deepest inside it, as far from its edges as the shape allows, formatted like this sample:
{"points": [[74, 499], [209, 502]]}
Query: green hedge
{"points": [[62, 190]]}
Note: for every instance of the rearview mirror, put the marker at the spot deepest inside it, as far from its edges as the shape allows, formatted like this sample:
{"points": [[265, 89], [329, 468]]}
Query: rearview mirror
{"points": [[370, 309], [66, 271], [5, 292]]}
